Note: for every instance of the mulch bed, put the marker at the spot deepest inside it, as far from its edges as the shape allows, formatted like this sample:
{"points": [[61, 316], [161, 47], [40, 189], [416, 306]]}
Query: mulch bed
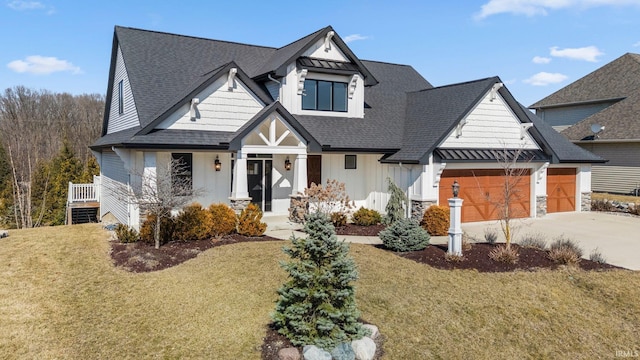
{"points": [[477, 258], [144, 257], [351, 229]]}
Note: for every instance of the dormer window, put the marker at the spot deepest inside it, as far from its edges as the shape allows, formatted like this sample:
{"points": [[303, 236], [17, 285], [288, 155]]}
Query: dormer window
{"points": [[324, 95]]}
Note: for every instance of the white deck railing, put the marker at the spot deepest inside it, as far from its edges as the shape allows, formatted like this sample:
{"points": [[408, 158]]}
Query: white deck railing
{"points": [[84, 192]]}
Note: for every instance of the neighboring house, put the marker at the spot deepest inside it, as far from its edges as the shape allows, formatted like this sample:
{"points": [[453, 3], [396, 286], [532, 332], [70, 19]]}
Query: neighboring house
{"points": [[259, 124], [601, 113]]}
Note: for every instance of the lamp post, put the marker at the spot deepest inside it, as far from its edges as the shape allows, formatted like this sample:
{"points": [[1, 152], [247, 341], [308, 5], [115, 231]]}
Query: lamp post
{"points": [[455, 221]]}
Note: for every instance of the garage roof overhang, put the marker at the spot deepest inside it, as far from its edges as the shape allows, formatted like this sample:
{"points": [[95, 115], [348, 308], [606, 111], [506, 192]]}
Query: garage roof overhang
{"points": [[483, 155]]}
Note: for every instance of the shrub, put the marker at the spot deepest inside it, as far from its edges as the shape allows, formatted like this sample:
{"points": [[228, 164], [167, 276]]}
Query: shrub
{"points": [[339, 219], [490, 235], [436, 220], [317, 304], [366, 217], [249, 223], [504, 254], [192, 223], [126, 234], [565, 251], [329, 199], [404, 235], [535, 241], [597, 256], [223, 220], [148, 227]]}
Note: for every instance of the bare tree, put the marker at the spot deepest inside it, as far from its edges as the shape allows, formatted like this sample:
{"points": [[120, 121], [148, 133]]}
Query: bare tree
{"points": [[160, 192]]}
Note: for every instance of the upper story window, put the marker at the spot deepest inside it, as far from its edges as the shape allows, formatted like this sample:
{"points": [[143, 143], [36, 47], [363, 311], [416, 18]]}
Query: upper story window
{"points": [[120, 97], [324, 95]]}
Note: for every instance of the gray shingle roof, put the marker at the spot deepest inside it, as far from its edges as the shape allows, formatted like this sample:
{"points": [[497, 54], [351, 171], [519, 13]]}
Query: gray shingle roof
{"points": [[166, 139]]}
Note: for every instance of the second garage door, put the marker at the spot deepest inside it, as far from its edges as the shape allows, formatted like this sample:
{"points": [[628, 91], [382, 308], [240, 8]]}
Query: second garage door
{"points": [[561, 190], [483, 193]]}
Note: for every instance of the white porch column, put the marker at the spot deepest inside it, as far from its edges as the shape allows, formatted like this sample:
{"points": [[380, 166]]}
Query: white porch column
{"points": [[299, 174], [240, 186]]}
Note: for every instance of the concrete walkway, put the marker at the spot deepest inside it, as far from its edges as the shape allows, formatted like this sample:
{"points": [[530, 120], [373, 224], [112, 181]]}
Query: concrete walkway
{"points": [[617, 237]]}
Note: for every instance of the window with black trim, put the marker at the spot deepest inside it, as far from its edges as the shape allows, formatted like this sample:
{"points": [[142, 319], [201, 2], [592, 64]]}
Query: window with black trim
{"points": [[182, 173], [350, 162], [324, 95], [120, 97]]}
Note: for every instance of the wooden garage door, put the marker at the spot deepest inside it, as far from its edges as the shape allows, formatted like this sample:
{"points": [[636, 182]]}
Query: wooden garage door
{"points": [[561, 190], [483, 193]]}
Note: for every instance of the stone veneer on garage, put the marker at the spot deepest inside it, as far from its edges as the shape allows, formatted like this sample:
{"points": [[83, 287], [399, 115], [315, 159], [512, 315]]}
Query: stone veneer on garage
{"points": [[585, 201], [541, 205]]}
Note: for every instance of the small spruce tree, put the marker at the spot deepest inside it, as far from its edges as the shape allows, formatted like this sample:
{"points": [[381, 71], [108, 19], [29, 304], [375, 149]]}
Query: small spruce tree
{"points": [[317, 304], [395, 205]]}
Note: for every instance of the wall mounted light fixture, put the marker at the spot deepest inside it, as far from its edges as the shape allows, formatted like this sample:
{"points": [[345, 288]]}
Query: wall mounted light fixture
{"points": [[287, 164], [217, 164]]}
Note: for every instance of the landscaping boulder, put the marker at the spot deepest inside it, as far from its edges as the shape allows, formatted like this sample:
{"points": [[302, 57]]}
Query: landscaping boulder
{"points": [[312, 352], [364, 348], [343, 351], [3, 234], [289, 353], [373, 329]]}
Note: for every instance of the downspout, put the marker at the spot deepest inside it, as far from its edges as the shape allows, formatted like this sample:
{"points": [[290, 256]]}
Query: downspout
{"points": [[279, 83]]}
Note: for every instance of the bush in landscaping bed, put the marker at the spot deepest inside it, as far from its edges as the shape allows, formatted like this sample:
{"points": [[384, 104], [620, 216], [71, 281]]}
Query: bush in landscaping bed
{"points": [[249, 222], [436, 220], [126, 234], [366, 217], [148, 227], [192, 223], [223, 220], [565, 251], [504, 254], [490, 235], [338, 219], [404, 235], [535, 241]]}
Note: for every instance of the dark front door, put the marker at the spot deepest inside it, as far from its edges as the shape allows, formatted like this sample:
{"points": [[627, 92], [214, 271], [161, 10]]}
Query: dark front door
{"points": [[314, 170], [259, 181]]}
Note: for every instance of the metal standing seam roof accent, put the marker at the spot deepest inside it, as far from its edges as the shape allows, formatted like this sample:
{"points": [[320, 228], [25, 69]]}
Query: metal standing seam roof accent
{"points": [[330, 65], [524, 155]]}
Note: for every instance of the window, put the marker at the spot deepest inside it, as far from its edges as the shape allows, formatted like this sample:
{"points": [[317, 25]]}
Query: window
{"points": [[120, 97], [182, 173], [350, 162], [324, 95]]}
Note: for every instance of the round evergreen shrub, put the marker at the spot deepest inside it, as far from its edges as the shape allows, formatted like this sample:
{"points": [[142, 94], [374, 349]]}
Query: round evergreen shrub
{"points": [[366, 217], [148, 228], [249, 222], [317, 306], [192, 223], [404, 235], [223, 220], [126, 234], [436, 220]]}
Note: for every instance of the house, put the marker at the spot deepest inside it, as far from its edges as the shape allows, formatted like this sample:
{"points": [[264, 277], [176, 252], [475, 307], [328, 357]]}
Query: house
{"points": [[601, 113], [260, 124]]}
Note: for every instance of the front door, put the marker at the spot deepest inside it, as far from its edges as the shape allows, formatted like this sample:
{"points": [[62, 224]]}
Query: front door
{"points": [[259, 181]]}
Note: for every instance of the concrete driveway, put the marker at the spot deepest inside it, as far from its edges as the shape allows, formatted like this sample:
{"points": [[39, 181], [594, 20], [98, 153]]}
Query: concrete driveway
{"points": [[617, 237]]}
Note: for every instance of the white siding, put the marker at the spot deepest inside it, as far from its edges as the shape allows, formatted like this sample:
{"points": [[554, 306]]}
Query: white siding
{"points": [[129, 117], [318, 51], [220, 109], [615, 179], [491, 125], [113, 178]]}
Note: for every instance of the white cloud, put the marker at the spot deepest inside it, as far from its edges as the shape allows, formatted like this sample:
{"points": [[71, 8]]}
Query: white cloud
{"points": [[587, 53], [545, 78], [25, 5], [42, 65], [540, 60], [542, 7], [636, 44], [354, 37]]}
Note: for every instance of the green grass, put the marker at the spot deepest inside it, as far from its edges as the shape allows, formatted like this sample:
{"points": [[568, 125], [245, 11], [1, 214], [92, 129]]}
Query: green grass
{"points": [[60, 297]]}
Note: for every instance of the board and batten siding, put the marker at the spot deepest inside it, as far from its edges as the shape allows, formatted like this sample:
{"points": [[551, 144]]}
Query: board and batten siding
{"points": [[220, 109], [129, 117], [490, 125], [562, 117], [113, 177], [318, 51]]}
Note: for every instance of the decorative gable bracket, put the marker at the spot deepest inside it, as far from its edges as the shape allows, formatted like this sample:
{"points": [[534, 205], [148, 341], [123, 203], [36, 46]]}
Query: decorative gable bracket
{"points": [[523, 129], [541, 172], [437, 173], [352, 85], [193, 109], [327, 40], [302, 75], [231, 77], [494, 91], [461, 124]]}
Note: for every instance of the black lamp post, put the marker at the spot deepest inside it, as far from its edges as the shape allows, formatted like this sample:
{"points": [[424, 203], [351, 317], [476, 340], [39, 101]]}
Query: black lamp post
{"points": [[456, 188]]}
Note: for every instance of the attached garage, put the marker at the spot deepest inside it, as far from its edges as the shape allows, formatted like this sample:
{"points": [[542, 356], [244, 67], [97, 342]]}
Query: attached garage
{"points": [[561, 189], [483, 193]]}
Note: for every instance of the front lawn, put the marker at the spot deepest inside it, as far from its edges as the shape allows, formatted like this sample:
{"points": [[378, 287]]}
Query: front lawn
{"points": [[61, 297]]}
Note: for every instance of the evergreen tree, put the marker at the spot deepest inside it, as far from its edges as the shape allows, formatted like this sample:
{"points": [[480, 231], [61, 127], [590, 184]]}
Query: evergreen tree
{"points": [[91, 168], [395, 205], [317, 304]]}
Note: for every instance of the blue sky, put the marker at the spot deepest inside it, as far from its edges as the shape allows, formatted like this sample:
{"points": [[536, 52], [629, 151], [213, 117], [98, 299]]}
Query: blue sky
{"points": [[535, 46]]}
